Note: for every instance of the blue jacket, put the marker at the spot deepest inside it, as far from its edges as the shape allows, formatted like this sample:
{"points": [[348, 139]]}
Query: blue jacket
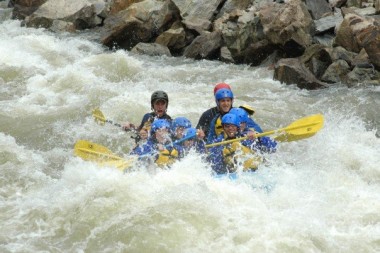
{"points": [[199, 146], [150, 149]]}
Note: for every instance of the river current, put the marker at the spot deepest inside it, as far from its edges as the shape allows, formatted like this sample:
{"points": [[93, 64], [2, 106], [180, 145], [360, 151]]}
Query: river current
{"points": [[321, 194]]}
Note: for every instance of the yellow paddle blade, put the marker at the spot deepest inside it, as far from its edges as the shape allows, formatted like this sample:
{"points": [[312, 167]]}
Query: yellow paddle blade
{"points": [[301, 129], [90, 151], [99, 116], [93, 152]]}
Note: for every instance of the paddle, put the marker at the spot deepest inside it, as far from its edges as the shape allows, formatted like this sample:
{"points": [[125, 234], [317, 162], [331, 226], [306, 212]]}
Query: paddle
{"points": [[100, 119], [89, 151], [299, 129]]}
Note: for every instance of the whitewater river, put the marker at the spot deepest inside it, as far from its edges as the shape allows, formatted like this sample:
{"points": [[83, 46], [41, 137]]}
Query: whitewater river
{"points": [[320, 194]]}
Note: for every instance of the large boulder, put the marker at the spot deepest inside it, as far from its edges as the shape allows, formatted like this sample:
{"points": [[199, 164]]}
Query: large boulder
{"points": [[205, 46], [140, 22], [288, 25], [239, 30], [24, 8], [81, 13], [197, 15], [358, 32], [293, 71]]}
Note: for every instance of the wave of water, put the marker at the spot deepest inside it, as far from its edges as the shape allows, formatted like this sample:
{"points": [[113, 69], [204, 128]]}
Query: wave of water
{"points": [[314, 195]]}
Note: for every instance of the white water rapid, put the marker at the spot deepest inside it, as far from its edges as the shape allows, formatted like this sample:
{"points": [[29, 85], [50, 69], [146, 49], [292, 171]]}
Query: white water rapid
{"points": [[321, 194]]}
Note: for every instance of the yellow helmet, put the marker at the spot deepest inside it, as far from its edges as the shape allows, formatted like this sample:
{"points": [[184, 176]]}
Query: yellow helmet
{"points": [[248, 109]]}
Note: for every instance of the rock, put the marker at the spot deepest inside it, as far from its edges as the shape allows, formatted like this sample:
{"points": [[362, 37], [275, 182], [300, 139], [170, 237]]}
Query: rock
{"points": [[81, 13], [205, 46], [62, 26], [316, 58], [336, 72], [257, 52], [118, 5], [358, 32], [24, 8], [318, 8], [232, 5], [337, 3], [363, 76], [152, 49], [327, 23], [289, 25], [173, 38], [197, 15], [240, 30], [225, 55], [140, 22], [368, 11], [292, 71]]}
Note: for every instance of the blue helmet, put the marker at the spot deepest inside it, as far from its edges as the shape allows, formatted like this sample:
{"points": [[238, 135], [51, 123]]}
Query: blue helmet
{"points": [[180, 122], [240, 113], [190, 133], [223, 93], [158, 124], [232, 119]]}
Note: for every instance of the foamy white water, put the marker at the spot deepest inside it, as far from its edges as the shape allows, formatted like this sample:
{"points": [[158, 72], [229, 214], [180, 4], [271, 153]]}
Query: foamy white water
{"points": [[316, 195]]}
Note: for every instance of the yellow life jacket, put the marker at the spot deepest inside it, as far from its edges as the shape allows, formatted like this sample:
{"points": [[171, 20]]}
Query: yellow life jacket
{"points": [[237, 154], [218, 126], [166, 157], [147, 125]]}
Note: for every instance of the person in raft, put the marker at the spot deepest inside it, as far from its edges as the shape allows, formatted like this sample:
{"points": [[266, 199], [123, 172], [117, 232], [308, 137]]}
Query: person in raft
{"points": [[207, 116], [192, 142], [159, 145], [179, 125], [227, 158], [159, 102], [224, 99]]}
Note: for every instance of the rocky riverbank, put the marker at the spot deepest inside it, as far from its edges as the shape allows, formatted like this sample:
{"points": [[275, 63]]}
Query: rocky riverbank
{"points": [[311, 43]]}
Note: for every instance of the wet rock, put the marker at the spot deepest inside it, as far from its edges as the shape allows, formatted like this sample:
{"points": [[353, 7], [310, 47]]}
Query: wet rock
{"points": [[328, 23], [289, 25], [140, 22], [257, 52], [318, 8], [24, 8], [197, 15], [81, 13], [119, 5], [336, 72], [358, 32], [239, 30], [292, 71], [316, 58], [363, 75], [173, 38], [152, 49], [205, 46]]}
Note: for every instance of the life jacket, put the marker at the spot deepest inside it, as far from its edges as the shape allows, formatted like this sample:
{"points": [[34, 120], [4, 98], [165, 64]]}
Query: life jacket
{"points": [[236, 154], [167, 157], [218, 126]]}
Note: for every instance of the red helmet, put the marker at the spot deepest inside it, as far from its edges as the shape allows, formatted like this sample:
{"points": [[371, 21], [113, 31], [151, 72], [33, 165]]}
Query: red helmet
{"points": [[221, 86]]}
